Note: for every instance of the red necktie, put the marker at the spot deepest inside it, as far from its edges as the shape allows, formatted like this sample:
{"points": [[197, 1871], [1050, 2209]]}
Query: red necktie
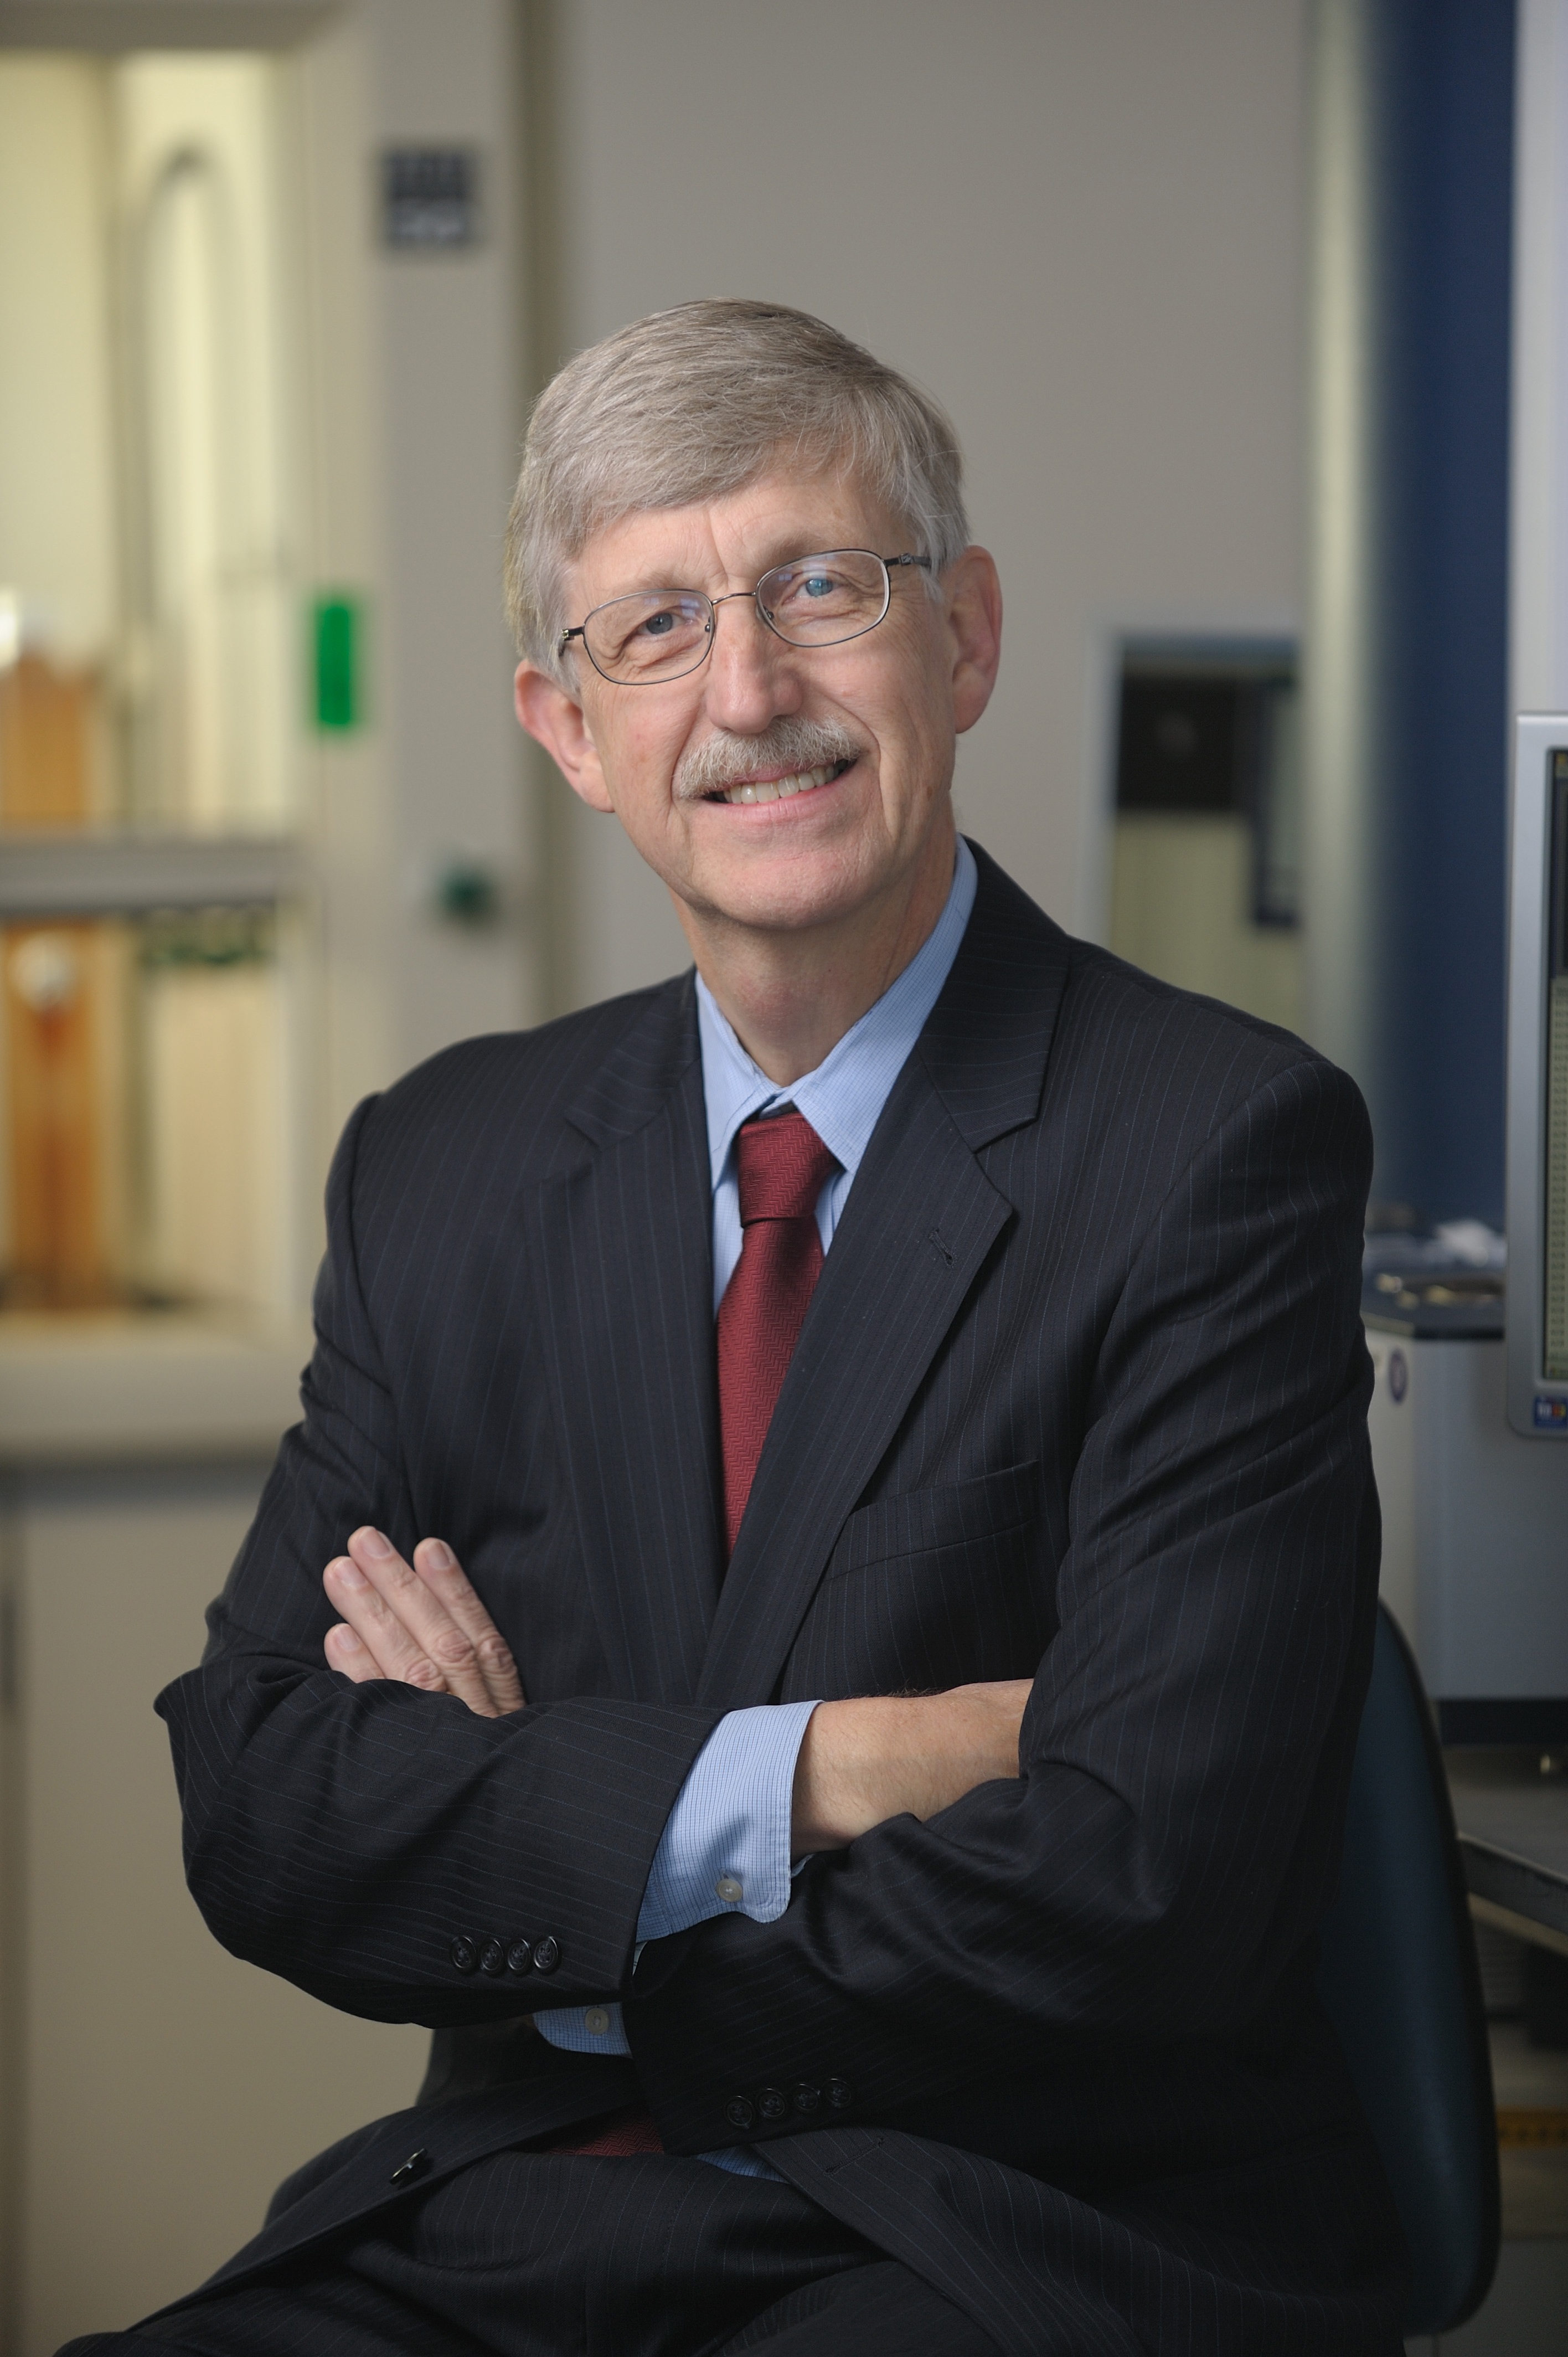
{"points": [[782, 1167], [621, 2137]]}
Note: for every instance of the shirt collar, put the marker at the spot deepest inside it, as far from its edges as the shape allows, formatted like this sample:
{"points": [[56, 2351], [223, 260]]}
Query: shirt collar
{"points": [[844, 1097]]}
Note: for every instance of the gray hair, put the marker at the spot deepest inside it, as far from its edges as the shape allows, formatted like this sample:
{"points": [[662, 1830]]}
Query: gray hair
{"points": [[696, 403]]}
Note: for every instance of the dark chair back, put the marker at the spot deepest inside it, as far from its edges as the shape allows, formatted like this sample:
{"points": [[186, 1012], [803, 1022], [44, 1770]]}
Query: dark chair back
{"points": [[1400, 1983]]}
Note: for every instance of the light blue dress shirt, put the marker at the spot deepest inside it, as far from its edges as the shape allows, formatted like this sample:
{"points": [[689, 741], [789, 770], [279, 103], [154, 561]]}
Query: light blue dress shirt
{"points": [[726, 1848]]}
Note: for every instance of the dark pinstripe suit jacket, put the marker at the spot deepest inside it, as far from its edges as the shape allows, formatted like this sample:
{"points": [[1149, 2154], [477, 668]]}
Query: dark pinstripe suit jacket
{"points": [[1082, 1390]]}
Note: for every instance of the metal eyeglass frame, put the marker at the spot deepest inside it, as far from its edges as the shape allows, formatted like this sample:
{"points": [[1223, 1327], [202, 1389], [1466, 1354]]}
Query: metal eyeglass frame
{"points": [[713, 605]]}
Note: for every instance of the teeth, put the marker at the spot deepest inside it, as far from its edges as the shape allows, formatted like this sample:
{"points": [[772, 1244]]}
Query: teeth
{"points": [[780, 790]]}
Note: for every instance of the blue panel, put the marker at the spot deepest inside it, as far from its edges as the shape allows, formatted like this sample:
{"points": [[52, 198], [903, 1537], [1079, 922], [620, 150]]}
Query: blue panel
{"points": [[1438, 121]]}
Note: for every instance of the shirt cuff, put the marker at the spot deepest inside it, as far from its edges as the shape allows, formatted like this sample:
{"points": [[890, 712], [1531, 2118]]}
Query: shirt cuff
{"points": [[725, 1849], [584, 2028]]}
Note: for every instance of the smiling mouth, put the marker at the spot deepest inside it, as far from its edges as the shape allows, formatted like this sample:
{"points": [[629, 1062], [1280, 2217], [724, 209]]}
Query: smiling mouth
{"points": [[780, 790]]}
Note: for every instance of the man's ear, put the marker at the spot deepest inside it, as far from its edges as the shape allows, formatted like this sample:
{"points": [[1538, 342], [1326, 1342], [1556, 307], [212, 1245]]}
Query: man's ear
{"points": [[556, 720], [974, 625]]}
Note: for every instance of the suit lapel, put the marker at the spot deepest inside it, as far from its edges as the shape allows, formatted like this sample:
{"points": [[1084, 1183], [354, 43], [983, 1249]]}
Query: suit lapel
{"points": [[622, 1253], [903, 1258], [920, 1220]]}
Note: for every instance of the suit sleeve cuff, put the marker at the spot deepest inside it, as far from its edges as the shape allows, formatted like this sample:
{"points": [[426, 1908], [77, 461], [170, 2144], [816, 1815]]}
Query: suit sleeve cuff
{"points": [[725, 1849]]}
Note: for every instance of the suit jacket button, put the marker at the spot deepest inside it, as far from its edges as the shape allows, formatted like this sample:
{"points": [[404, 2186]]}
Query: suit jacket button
{"points": [[492, 1957], [465, 1953], [520, 1957], [840, 2095], [546, 1954], [773, 2102], [807, 2098], [415, 2165], [739, 2111]]}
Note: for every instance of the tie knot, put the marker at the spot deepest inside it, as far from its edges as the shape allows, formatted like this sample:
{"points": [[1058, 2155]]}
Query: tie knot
{"points": [[781, 1167]]}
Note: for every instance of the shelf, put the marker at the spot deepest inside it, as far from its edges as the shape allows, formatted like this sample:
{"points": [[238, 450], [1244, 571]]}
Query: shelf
{"points": [[84, 875], [89, 1390], [110, 25]]}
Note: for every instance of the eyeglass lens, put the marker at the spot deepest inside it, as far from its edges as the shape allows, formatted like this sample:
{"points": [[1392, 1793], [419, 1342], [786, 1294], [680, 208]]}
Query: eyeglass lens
{"points": [[813, 601]]}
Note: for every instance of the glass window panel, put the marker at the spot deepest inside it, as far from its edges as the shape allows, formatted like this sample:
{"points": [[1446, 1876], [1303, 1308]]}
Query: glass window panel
{"points": [[143, 1083], [152, 660], [147, 605]]}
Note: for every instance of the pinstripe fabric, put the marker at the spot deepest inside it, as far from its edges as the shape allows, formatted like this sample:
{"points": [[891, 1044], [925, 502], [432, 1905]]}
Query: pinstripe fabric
{"points": [[730, 1824], [530, 2256], [1082, 1388]]}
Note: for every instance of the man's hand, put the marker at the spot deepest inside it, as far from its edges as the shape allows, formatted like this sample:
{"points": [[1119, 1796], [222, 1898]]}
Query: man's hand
{"points": [[891, 1755], [421, 1622], [863, 1761]]}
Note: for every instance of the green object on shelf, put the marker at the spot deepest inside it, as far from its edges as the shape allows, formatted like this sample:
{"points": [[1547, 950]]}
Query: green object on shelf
{"points": [[207, 937], [336, 635]]}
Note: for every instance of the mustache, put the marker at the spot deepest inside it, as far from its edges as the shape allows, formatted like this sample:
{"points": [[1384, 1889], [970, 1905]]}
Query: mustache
{"points": [[786, 746]]}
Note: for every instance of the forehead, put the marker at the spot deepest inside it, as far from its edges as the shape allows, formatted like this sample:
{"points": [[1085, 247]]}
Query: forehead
{"points": [[726, 543]]}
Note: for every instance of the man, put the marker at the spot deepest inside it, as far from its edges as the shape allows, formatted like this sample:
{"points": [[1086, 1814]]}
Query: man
{"points": [[849, 1549]]}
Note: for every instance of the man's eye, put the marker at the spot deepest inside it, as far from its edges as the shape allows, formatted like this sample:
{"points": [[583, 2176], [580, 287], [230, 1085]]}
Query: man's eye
{"points": [[796, 589], [659, 626]]}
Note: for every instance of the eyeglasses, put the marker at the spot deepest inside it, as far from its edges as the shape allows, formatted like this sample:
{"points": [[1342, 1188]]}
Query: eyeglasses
{"points": [[813, 601]]}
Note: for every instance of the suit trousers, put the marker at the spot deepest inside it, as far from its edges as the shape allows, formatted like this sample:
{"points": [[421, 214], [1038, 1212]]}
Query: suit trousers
{"points": [[531, 2255]]}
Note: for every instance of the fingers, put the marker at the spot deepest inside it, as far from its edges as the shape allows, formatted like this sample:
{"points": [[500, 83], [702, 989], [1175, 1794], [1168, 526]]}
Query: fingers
{"points": [[444, 1577], [391, 1646], [345, 1653], [406, 1631], [424, 1626]]}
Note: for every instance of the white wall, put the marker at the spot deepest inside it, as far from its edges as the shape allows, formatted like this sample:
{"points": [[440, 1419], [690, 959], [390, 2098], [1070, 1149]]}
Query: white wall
{"points": [[416, 416], [1079, 222]]}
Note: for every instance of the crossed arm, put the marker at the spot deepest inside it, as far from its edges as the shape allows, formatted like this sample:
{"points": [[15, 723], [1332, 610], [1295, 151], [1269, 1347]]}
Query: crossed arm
{"points": [[861, 1763], [1154, 1871]]}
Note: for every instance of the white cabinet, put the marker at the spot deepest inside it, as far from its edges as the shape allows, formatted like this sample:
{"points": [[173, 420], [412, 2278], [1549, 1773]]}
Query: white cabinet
{"points": [[155, 2090]]}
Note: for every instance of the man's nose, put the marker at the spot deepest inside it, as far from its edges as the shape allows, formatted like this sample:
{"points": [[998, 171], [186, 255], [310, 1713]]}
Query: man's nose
{"points": [[750, 680]]}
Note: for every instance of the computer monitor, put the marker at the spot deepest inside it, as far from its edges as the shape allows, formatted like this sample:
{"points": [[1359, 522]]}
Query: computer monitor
{"points": [[1538, 1081]]}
